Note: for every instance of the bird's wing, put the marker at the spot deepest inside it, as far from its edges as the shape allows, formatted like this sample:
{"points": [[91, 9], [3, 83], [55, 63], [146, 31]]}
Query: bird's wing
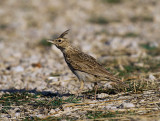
{"points": [[86, 63]]}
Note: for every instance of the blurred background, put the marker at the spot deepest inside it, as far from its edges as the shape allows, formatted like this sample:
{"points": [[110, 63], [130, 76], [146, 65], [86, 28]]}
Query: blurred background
{"points": [[123, 35], [118, 33]]}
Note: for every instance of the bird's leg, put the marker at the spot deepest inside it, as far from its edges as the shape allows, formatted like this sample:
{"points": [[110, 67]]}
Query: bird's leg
{"points": [[95, 89], [81, 88]]}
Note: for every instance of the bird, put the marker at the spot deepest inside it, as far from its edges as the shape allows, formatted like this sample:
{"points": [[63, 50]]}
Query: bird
{"points": [[84, 66]]}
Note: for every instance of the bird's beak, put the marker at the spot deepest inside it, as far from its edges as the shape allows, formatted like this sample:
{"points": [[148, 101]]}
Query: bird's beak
{"points": [[50, 40]]}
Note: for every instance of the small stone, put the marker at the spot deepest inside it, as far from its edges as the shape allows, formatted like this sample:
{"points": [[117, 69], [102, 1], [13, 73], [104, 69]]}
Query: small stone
{"points": [[8, 116], [55, 79], [39, 116], [152, 78], [17, 114], [102, 95], [127, 105], [108, 85], [52, 111], [18, 69], [111, 107]]}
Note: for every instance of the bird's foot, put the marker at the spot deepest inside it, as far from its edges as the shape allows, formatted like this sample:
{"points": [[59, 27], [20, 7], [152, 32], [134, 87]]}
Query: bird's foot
{"points": [[79, 93]]}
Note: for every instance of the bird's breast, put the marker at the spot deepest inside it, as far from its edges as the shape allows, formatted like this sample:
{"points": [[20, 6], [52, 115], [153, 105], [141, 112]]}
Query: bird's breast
{"points": [[82, 76]]}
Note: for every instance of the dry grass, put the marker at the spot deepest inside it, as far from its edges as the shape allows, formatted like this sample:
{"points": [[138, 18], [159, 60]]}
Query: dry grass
{"points": [[141, 91]]}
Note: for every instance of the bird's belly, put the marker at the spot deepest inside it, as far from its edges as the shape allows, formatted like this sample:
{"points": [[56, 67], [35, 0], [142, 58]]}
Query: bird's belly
{"points": [[82, 76]]}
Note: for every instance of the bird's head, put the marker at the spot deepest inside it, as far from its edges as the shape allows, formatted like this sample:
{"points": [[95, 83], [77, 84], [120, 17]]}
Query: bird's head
{"points": [[61, 42]]}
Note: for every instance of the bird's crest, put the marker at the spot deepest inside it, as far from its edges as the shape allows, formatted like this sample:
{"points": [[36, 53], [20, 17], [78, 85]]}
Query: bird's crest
{"points": [[63, 34]]}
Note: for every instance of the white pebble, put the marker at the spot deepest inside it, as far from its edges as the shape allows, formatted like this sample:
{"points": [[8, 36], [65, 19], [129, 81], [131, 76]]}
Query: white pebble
{"points": [[102, 95], [151, 77], [18, 69], [128, 105]]}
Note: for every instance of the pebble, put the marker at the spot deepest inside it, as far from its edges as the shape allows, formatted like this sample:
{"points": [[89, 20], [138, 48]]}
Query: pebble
{"points": [[18, 69], [127, 105], [52, 111], [151, 77], [102, 95]]}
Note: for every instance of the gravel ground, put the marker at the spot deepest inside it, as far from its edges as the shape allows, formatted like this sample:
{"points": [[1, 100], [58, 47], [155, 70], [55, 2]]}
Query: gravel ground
{"points": [[116, 33]]}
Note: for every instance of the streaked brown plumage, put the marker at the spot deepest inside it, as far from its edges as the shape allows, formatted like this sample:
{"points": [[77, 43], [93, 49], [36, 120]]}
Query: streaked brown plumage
{"points": [[84, 66]]}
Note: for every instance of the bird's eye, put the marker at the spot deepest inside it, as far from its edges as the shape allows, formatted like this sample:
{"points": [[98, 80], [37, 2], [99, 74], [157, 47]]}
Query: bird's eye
{"points": [[59, 40]]}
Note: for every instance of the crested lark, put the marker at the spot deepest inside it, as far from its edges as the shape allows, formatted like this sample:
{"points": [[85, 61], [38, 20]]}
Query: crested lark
{"points": [[84, 66]]}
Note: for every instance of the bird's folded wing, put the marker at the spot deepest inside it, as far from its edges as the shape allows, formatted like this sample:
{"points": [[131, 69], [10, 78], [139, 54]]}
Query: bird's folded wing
{"points": [[88, 64]]}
